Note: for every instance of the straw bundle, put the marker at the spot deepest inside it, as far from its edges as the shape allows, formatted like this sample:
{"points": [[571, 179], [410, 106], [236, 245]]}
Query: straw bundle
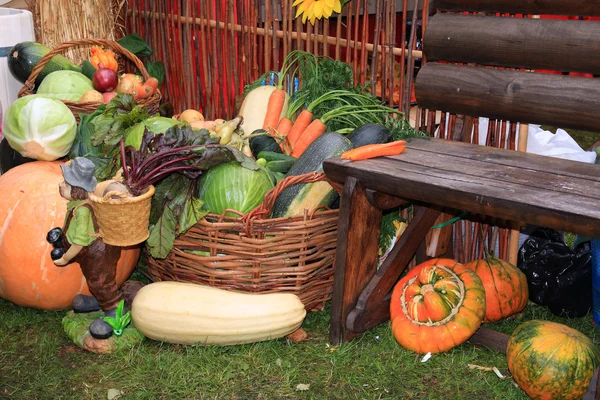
{"points": [[58, 21]]}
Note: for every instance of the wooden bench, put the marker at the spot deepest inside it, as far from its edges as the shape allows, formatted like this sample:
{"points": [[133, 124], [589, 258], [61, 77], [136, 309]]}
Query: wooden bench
{"points": [[438, 175]]}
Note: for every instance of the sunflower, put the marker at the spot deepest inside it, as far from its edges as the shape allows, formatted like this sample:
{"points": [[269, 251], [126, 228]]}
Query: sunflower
{"points": [[317, 9]]}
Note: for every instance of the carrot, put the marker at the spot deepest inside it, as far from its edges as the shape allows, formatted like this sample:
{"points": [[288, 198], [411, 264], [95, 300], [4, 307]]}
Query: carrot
{"points": [[313, 131], [299, 126], [274, 107], [284, 126], [375, 150]]}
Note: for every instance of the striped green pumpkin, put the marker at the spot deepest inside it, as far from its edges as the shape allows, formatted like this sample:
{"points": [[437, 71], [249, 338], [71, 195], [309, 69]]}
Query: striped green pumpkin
{"points": [[551, 361]]}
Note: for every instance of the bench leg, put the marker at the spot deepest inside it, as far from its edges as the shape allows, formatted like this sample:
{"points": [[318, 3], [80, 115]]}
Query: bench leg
{"points": [[373, 305], [356, 255]]}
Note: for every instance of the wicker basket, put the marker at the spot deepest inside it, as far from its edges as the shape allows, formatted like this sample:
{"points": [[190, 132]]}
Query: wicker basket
{"points": [[152, 103], [256, 254], [123, 221]]}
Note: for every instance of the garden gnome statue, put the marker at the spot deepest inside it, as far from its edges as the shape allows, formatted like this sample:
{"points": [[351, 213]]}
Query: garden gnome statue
{"points": [[78, 241]]}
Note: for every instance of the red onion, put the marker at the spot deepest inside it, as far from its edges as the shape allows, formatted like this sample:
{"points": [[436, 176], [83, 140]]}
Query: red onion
{"points": [[105, 79]]}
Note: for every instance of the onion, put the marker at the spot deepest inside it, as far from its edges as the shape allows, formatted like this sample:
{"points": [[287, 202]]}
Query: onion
{"points": [[105, 79]]}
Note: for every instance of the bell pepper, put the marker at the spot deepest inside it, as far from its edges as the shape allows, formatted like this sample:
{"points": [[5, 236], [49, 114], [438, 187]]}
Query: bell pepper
{"points": [[104, 57]]}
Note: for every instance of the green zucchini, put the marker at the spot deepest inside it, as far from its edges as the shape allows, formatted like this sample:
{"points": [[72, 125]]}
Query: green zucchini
{"points": [[282, 166], [264, 142], [24, 56], [274, 156], [370, 134], [296, 198]]}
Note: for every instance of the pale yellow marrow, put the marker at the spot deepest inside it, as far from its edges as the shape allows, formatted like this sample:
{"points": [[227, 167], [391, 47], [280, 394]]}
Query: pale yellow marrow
{"points": [[254, 108], [187, 313]]}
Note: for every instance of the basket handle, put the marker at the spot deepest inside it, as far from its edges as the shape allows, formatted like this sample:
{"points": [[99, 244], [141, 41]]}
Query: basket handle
{"points": [[30, 83], [265, 208]]}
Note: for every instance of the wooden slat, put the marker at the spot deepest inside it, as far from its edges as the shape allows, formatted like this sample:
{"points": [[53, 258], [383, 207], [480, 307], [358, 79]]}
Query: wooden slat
{"points": [[557, 100], [514, 42], [503, 194], [528, 161], [535, 7]]}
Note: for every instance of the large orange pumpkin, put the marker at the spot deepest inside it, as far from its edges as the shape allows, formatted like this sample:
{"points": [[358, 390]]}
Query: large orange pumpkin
{"points": [[506, 291], [551, 361], [438, 305], [30, 205]]}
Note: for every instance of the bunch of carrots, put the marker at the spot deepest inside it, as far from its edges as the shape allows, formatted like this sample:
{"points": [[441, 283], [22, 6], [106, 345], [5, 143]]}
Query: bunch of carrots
{"points": [[296, 136]]}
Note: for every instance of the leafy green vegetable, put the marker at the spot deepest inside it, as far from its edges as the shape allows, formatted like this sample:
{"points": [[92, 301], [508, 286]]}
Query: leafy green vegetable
{"points": [[136, 44], [40, 127], [119, 115], [231, 186], [174, 161], [65, 85], [156, 69]]}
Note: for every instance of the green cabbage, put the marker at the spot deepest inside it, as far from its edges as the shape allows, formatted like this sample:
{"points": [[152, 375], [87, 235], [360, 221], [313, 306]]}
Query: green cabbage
{"points": [[232, 186], [39, 127], [65, 85], [156, 125]]}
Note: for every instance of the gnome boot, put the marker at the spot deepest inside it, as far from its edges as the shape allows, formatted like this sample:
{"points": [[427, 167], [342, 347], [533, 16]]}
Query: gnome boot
{"points": [[84, 304]]}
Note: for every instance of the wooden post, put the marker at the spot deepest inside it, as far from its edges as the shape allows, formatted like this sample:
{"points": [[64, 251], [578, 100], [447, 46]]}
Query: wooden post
{"points": [[514, 42], [557, 100], [555, 7]]}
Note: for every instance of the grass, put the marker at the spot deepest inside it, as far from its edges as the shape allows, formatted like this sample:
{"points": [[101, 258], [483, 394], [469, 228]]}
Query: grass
{"points": [[38, 362]]}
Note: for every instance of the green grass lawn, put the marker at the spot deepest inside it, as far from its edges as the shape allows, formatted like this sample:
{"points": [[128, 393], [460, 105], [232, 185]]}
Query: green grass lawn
{"points": [[38, 362]]}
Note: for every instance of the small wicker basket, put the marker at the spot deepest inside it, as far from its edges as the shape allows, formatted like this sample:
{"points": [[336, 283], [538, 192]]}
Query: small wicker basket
{"points": [[257, 254], [122, 220], [152, 103]]}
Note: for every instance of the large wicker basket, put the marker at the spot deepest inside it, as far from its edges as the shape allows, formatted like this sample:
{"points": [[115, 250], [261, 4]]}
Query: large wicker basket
{"points": [[152, 103], [257, 254]]}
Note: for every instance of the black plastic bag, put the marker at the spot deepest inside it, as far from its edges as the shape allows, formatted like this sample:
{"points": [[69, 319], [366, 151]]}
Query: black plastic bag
{"points": [[558, 276]]}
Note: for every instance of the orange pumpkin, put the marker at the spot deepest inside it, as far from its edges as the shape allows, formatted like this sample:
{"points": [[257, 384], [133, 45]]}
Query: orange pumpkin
{"points": [[506, 291], [438, 305], [550, 361], [30, 206]]}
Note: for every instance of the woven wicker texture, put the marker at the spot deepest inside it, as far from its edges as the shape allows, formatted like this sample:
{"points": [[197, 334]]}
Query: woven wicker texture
{"points": [[256, 254], [152, 103], [123, 221]]}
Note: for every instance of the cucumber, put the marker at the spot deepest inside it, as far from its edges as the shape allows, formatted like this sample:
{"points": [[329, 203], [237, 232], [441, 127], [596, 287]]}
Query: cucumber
{"points": [[24, 56], [282, 166], [273, 156], [296, 198], [369, 134], [263, 143]]}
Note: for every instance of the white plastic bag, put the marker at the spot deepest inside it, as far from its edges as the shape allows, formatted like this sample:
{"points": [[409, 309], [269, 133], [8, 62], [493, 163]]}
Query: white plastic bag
{"points": [[559, 144]]}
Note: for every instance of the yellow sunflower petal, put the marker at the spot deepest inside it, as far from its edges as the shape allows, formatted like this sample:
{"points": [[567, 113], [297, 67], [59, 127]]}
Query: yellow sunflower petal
{"points": [[295, 3], [329, 3], [318, 9], [300, 10], [337, 7]]}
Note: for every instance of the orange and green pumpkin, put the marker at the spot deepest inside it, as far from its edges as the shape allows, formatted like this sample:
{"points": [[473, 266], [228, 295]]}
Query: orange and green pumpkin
{"points": [[436, 306], [506, 291], [30, 206], [551, 361]]}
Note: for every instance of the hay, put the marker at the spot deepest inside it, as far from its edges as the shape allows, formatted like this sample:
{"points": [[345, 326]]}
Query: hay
{"points": [[58, 21]]}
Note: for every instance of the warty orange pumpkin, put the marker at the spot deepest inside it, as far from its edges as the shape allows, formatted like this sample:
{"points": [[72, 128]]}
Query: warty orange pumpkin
{"points": [[436, 306], [30, 206], [506, 291]]}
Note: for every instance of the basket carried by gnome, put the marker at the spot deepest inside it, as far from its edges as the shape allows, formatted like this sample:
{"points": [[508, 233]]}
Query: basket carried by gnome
{"points": [[151, 102], [122, 219], [255, 253]]}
